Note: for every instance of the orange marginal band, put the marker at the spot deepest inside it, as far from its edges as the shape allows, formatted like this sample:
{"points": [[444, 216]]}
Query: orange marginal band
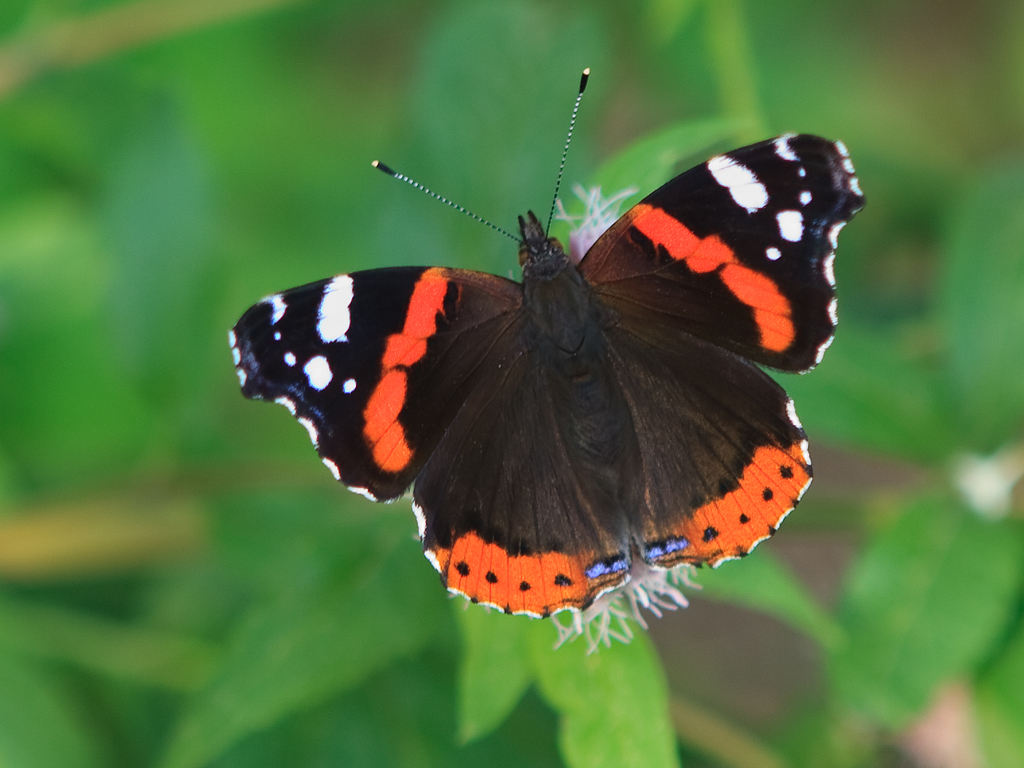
{"points": [[535, 584], [772, 311], [731, 526]]}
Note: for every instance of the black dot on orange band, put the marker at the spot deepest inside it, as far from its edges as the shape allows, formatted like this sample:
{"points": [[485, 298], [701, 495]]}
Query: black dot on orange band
{"points": [[462, 568], [767, 495], [491, 578], [786, 471], [771, 530], [710, 534], [723, 487], [744, 519], [524, 586], [561, 580]]}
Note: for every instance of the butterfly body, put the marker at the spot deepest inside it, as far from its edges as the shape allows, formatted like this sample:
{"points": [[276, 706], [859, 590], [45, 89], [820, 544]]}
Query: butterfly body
{"points": [[560, 431]]}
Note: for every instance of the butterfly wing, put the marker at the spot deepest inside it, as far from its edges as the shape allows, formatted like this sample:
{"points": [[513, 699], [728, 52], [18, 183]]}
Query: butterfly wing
{"points": [[375, 364], [737, 251]]}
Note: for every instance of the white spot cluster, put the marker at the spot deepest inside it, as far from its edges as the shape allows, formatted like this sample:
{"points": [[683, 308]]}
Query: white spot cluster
{"points": [[333, 317], [791, 225], [743, 185], [318, 372]]}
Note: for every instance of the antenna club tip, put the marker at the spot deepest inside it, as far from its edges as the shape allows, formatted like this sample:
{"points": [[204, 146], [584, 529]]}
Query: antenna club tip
{"points": [[583, 79], [381, 167]]}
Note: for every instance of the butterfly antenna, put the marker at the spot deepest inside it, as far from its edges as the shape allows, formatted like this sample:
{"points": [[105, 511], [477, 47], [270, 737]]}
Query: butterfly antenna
{"points": [[565, 152], [402, 177]]}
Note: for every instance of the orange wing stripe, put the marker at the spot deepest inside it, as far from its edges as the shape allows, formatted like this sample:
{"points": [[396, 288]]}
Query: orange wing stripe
{"points": [[383, 432], [772, 310]]}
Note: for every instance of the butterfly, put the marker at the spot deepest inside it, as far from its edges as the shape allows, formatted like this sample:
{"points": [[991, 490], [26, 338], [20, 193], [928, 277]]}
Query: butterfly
{"points": [[560, 431]]}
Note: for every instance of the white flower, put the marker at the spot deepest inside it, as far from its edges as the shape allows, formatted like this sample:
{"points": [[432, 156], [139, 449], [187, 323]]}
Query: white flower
{"points": [[599, 213], [608, 618], [986, 482]]}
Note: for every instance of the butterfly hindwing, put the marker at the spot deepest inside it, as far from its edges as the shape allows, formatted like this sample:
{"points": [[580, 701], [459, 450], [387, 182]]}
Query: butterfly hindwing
{"points": [[737, 251], [375, 364]]}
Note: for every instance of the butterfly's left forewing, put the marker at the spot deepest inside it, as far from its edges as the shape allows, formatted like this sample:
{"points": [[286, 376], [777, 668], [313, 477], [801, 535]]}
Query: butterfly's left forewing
{"points": [[375, 364]]}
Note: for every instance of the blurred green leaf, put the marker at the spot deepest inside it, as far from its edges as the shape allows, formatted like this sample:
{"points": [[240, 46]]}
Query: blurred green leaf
{"points": [[921, 605], [494, 671], [999, 704], [122, 650], [865, 393], [764, 584], [650, 162], [39, 727], [613, 704], [298, 651], [982, 306]]}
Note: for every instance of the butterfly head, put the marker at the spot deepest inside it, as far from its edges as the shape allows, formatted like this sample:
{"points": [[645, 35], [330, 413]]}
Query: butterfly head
{"points": [[539, 255]]}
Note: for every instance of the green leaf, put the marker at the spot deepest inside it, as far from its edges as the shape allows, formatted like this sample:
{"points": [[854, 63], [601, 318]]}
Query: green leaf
{"points": [[922, 605], [653, 160], [999, 704], [867, 394], [982, 306], [494, 671], [38, 726], [613, 704], [764, 584], [295, 653]]}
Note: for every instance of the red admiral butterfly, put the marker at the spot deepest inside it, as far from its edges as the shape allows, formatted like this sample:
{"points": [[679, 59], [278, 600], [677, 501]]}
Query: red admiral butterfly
{"points": [[559, 429]]}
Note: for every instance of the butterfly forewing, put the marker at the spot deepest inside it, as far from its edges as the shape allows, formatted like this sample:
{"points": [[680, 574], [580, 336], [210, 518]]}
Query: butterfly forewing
{"points": [[737, 251]]}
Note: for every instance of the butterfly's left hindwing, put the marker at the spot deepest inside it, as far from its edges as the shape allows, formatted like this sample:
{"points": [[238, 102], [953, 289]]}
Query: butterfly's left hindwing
{"points": [[375, 364]]}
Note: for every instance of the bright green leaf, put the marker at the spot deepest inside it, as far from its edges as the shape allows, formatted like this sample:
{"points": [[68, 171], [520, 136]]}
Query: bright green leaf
{"points": [[921, 606], [982, 303], [39, 727], [494, 671], [613, 704], [297, 652], [764, 584], [867, 394], [1000, 708]]}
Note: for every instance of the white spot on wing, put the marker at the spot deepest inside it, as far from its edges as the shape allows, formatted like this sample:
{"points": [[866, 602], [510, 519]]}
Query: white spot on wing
{"points": [[241, 376], [433, 559], [421, 520], [349, 386], [807, 454], [236, 355], [821, 350], [802, 172], [833, 233], [791, 225], [277, 335], [746, 190], [318, 371], [289, 359], [855, 186], [830, 272], [333, 318], [791, 412], [782, 148], [841, 149], [279, 307], [805, 197], [773, 253], [364, 492], [333, 467], [833, 311], [314, 436], [288, 403]]}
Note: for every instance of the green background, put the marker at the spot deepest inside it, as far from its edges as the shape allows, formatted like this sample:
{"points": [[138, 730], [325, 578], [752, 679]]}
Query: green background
{"points": [[181, 582]]}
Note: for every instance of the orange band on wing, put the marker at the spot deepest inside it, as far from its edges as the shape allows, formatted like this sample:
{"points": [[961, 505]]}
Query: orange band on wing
{"points": [[731, 526], [536, 584], [383, 432], [772, 311]]}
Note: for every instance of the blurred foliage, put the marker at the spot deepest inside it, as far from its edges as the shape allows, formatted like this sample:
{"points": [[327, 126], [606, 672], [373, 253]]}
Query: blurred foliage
{"points": [[182, 585]]}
